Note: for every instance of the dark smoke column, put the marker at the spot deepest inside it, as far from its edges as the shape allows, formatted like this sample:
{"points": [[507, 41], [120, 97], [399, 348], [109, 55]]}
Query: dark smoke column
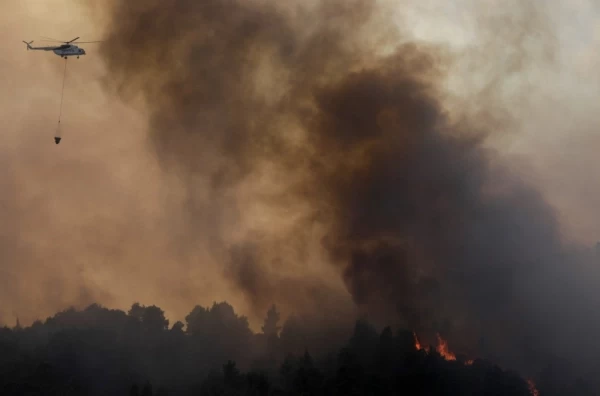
{"points": [[426, 226]]}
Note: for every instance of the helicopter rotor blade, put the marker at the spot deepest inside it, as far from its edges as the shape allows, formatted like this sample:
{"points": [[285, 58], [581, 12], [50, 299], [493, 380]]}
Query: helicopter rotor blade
{"points": [[52, 39]]}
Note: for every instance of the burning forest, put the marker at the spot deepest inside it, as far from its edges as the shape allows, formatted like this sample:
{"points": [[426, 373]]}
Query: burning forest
{"points": [[335, 144], [98, 351], [321, 156], [443, 350]]}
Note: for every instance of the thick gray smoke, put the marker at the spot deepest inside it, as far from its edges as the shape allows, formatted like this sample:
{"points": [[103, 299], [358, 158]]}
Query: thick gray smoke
{"points": [[321, 125]]}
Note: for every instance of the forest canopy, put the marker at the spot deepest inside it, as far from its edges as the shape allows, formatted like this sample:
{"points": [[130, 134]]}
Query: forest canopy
{"points": [[105, 351]]}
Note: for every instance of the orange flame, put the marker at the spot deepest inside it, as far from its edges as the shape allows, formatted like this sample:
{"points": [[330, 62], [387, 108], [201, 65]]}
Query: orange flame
{"points": [[418, 344], [443, 350]]}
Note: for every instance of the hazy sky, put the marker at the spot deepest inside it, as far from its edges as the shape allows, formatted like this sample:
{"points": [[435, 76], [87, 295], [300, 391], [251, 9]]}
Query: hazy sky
{"points": [[68, 209]]}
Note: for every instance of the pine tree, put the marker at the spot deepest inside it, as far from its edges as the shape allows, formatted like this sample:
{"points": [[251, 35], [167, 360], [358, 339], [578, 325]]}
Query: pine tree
{"points": [[270, 327]]}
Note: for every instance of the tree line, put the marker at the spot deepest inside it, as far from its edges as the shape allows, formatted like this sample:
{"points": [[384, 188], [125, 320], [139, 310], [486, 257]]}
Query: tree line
{"points": [[101, 351]]}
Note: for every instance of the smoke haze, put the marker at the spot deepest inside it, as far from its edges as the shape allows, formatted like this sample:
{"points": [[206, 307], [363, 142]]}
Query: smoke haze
{"points": [[320, 155], [78, 222]]}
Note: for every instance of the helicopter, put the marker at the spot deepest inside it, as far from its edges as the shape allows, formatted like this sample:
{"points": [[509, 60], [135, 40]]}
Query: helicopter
{"points": [[65, 50]]}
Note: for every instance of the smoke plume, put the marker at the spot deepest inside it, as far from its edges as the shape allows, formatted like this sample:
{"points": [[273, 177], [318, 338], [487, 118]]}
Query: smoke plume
{"points": [[317, 138]]}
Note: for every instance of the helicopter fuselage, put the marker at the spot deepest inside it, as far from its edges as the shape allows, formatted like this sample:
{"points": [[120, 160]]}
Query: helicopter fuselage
{"points": [[68, 50]]}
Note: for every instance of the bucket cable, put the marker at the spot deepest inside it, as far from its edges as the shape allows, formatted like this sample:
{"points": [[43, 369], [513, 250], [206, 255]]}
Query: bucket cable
{"points": [[62, 94]]}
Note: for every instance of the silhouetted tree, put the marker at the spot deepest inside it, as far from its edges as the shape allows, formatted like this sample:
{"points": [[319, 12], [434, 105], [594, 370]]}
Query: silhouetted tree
{"points": [[270, 327], [308, 379], [152, 317], [231, 376], [178, 327]]}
